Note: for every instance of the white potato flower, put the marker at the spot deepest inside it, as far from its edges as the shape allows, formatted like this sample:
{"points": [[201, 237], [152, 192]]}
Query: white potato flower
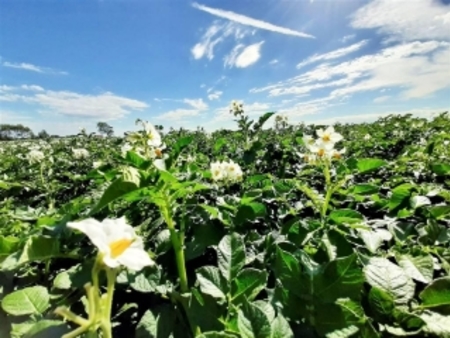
{"points": [[329, 135], [153, 136], [35, 156], [116, 241], [80, 153], [233, 171], [97, 164], [217, 171], [125, 148], [308, 141], [367, 137], [322, 149]]}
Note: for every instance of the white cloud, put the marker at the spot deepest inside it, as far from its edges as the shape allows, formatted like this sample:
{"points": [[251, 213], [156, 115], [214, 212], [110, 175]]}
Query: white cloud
{"points": [[348, 38], [274, 62], [215, 95], [335, 54], [106, 106], [32, 68], [198, 104], [371, 117], [381, 99], [405, 21], [178, 114], [245, 20], [214, 35], [419, 68], [242, 57]]}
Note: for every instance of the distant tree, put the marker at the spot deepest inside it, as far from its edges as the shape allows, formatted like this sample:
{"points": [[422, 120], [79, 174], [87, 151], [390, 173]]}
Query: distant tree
{"points": [[43, 134], [15, 131], [105, 128]]}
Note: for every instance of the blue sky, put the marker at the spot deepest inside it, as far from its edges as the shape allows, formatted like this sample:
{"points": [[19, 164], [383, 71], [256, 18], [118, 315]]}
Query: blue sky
{"points": [[69, 64]]}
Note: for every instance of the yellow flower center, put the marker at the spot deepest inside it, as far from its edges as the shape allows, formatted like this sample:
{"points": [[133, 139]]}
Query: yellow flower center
{"points": [[217, 172], [321, 152], [337, 155], [158, 152], [326, 138], [118, 247]]}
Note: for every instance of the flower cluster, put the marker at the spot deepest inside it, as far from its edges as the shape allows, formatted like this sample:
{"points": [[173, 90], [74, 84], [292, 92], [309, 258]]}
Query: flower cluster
{"points": [[35, 156], [226, 171], [236, 108], [80, 153], [148, 144], [322, 148]]}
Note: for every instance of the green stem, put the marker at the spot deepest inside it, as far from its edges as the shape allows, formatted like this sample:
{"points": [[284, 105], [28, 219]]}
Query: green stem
{"points": [[107, 303]]}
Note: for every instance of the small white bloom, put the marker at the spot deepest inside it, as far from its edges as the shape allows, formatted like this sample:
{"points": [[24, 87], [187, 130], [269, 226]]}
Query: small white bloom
{"points": [[217, 171], [116, 241], [322, 150], [97, 164], [308, 140], [154, 138], [125, 148], [80, 153], [35, 156], [329, 135], [367, 137]]}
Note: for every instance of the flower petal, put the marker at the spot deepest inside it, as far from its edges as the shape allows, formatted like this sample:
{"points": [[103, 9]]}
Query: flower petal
{"points": [[111, 262], [135, 259], [94, 230]]}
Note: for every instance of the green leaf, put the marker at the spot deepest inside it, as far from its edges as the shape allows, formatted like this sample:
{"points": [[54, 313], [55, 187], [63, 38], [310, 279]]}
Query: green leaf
{"points": [[437, 294], [135, 159], [219, 144], [436, 324], [215, 334], [262, 120], [440, 211], [400, 196], [420, 268], [8, 245], [343, 216], [231, 256], [253, 322], [47, 329], [344, 333], [116, 189], [28, 301], [369, 164], [387, 276], [212, 282], [365, 189], [441, 169], [341, 278], [248, 283], [381, 303], [281, 328]]}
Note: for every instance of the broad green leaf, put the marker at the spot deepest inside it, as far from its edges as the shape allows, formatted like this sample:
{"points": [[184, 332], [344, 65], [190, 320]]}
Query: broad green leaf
{"points": [[216, 335], [441, 169], [117, 189], [8, 245], [373, 239], [341, 278], [281, 328], [369, 164], [381, 303], [212, 282], [249, 282], [365, 189], [343, 216], [219, 144], [419, 267], [231, 256], [47, 328], [253, 322], [440, 211], [400, 195], [347, 332], [436, 324], [437, 294], [387, 276], [157, 323], [28, 301]]}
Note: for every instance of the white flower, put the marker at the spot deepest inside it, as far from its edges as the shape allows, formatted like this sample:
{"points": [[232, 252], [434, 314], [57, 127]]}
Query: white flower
{"points": [[35, 156], [367, 137], [337, 154], [322, 150], [97, 164], [80, 153], [153, 136], [233, 171], [157, 152], [116, 241], [329, 135], [308, 141], [217, 171]]}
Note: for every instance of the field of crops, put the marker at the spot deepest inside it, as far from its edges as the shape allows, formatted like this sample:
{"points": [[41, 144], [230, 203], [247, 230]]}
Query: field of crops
{"points": [[293, 231]]}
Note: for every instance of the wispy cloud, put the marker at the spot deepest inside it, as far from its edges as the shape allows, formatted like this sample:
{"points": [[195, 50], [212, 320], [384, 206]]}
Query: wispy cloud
{"points": [[198, 104], [178, 114], [242, 57], [245, 20], [215, 95], [107, 106], [416, 20], [216, 34], [335, 54], [381, 99], [417, 68], [32, 68], [348, 38]]}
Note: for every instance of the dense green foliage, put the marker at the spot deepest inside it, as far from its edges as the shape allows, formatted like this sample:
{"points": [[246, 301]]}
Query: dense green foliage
{"points": [[356, 248]]}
